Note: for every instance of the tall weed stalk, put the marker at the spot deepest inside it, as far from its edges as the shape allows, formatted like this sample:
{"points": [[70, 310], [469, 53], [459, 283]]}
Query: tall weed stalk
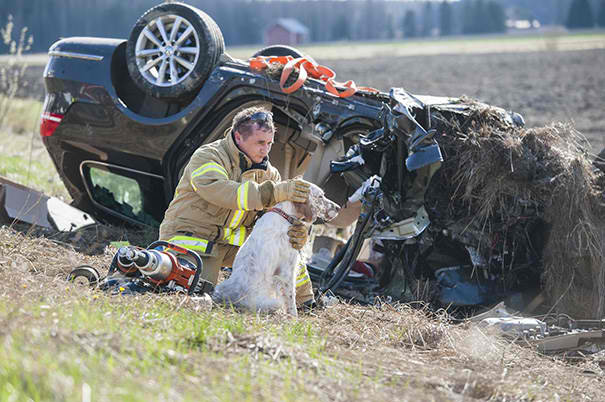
{"points": [[13, 70]]}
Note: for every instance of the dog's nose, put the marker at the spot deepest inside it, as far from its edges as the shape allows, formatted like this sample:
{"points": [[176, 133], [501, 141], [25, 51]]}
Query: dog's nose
{"points": [[332, 213]]}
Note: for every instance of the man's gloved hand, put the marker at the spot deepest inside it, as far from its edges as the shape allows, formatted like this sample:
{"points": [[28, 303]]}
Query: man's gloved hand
{"points": [[373, 181], [296, 190], [297, 235]]}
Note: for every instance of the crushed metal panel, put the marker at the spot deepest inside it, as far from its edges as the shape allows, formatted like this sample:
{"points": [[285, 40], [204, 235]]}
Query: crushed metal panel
{"points": [[22, 204], [65, 217], [569, 341]]}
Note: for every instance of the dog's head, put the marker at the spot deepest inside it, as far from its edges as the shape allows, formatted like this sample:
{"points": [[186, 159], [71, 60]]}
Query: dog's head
{"points": [[317, 206]]}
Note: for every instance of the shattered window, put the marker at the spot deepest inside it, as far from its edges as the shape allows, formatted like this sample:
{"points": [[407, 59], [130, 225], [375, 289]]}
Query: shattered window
{"points": [[116, 192], [126, 193]]}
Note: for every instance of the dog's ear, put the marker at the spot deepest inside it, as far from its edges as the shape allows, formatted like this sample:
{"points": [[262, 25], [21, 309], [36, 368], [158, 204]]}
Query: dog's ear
{"points": [[305, 210]]}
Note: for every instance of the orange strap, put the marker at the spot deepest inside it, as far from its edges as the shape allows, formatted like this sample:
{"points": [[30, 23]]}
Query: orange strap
{"points": [[307, 68]]}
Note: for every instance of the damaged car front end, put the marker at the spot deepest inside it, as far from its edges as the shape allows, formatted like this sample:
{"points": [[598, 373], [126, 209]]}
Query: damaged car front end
{"points": [[433, 247]]}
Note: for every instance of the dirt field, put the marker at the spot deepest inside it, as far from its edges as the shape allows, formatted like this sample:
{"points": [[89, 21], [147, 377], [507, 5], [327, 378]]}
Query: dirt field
{"points": [[542, 86]]}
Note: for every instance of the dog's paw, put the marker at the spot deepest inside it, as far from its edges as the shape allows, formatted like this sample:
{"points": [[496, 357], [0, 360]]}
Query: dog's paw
{"points": [[202, 303]]}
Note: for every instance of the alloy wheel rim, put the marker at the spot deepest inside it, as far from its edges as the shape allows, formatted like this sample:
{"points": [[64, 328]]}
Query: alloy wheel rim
{"points": [[167, 50]]}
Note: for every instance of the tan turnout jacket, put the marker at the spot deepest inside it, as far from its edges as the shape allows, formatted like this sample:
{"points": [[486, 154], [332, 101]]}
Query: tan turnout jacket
{"points": [[217, 197]]}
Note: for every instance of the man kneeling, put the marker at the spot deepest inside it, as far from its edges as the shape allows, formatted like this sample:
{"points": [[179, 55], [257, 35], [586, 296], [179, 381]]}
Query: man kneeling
{"points": [[223, 186]]}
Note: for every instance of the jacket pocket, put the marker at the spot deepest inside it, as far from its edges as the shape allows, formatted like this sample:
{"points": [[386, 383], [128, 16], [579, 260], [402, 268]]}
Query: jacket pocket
{"points": [[210, 213]]}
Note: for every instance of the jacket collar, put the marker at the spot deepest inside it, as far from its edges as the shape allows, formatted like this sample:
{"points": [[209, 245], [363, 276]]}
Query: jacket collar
{"points": [[240, 158]]}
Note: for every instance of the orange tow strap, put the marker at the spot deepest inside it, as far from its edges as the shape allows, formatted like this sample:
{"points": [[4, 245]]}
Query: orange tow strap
{"points": [[307, 68]]}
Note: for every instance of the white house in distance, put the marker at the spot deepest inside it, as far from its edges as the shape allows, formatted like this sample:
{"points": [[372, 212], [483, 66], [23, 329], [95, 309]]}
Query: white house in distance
{"points": [[286, 31]]}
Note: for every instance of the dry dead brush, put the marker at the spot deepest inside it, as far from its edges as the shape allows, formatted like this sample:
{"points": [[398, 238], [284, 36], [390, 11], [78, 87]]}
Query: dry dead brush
{"points": [[494, 172]]}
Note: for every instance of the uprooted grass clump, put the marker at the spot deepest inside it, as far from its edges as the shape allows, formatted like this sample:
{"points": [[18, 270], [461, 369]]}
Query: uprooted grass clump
{"points": [[495, 175]]}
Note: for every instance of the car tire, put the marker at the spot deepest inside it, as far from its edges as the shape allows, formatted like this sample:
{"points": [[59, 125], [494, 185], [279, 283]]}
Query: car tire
{"points": [[172, 50], [281, 50]]}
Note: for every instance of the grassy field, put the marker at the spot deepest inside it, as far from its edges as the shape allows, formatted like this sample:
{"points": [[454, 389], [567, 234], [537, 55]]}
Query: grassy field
{"points": [[62, 342], [67, 343], [534, 42], [23, 156], [438, 46]]}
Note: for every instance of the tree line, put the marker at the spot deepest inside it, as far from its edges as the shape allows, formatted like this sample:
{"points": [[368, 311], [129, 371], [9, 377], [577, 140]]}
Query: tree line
{"points": [[243, 21], [581, 15]]}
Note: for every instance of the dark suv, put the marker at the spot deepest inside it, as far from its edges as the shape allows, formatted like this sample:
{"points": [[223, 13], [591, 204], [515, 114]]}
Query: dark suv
{"points": [[122, 118]]}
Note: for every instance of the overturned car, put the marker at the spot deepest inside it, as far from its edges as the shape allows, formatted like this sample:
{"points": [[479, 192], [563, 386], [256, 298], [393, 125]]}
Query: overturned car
{"points": [[459, 199]]}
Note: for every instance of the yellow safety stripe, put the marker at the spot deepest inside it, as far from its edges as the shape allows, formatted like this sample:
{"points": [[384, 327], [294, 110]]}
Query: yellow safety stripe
{"points": [[242, 196], [303, 276], [237, 218], [191, 243], [235, 236], [299, 284], [209, 167], [205, 168]]}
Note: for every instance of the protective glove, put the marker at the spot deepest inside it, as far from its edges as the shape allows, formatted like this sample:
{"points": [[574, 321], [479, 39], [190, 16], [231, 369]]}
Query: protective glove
{"points": [[296, 190], [298, 234], [373, 181]]}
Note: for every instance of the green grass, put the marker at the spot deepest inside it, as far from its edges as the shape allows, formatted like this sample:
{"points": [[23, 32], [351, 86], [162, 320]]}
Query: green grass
{"points": [[62, 342], [458, 44], [133, 347], [448, 45], [23, 157], [23, 115]]}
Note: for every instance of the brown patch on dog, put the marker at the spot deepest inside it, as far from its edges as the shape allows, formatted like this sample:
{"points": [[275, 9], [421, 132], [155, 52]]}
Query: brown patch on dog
{"points": [[305, 210]]}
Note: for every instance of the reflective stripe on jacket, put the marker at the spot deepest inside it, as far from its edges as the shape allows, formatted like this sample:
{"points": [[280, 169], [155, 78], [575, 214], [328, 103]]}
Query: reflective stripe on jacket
{"points": [[217, 197]]}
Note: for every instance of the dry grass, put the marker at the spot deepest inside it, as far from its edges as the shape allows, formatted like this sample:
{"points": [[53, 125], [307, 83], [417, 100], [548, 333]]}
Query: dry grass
{"points": [[23, 157], [61, 341], [497, 177]]}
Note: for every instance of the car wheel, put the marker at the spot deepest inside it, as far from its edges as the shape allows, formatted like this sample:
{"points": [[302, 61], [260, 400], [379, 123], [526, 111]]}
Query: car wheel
{"points": [[172, 49]]}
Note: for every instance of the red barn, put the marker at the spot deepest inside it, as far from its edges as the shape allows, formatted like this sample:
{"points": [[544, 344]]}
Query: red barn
{"points": [[286, 31]]}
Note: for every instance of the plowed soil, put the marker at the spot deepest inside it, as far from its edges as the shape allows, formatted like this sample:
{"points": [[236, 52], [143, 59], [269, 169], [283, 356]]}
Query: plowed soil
{"points": [[543, 86]]}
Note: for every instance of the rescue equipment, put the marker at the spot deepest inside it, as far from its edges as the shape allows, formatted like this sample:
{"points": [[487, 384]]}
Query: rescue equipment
{"points": [[307, 67], [162, 267]]}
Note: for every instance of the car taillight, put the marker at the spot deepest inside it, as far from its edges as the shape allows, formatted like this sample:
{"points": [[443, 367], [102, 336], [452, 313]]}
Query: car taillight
{"points": [[49, 123]]}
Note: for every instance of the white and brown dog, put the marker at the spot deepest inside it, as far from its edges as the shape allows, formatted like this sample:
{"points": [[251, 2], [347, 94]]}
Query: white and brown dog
{"points": [[265, 267]]}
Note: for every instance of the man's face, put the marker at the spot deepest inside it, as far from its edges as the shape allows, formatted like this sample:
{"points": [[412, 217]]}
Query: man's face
{"points": [[257, 145]]}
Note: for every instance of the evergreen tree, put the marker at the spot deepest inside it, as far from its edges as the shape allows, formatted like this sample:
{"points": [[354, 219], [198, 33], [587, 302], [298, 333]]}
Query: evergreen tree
{"points": [[340, 28], [409, 24], [496, 17], [390, 30], [480, 23], [468, 21], [580, 15], [445, 18], [427, 19], [601, 17]]}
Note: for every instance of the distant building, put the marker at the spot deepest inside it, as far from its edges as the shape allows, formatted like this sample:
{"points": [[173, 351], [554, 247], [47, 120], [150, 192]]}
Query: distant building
{"points": [[286, 31]]}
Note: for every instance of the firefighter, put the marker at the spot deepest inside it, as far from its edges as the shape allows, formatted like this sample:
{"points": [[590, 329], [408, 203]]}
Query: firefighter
{"points": [[221, 190]]}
